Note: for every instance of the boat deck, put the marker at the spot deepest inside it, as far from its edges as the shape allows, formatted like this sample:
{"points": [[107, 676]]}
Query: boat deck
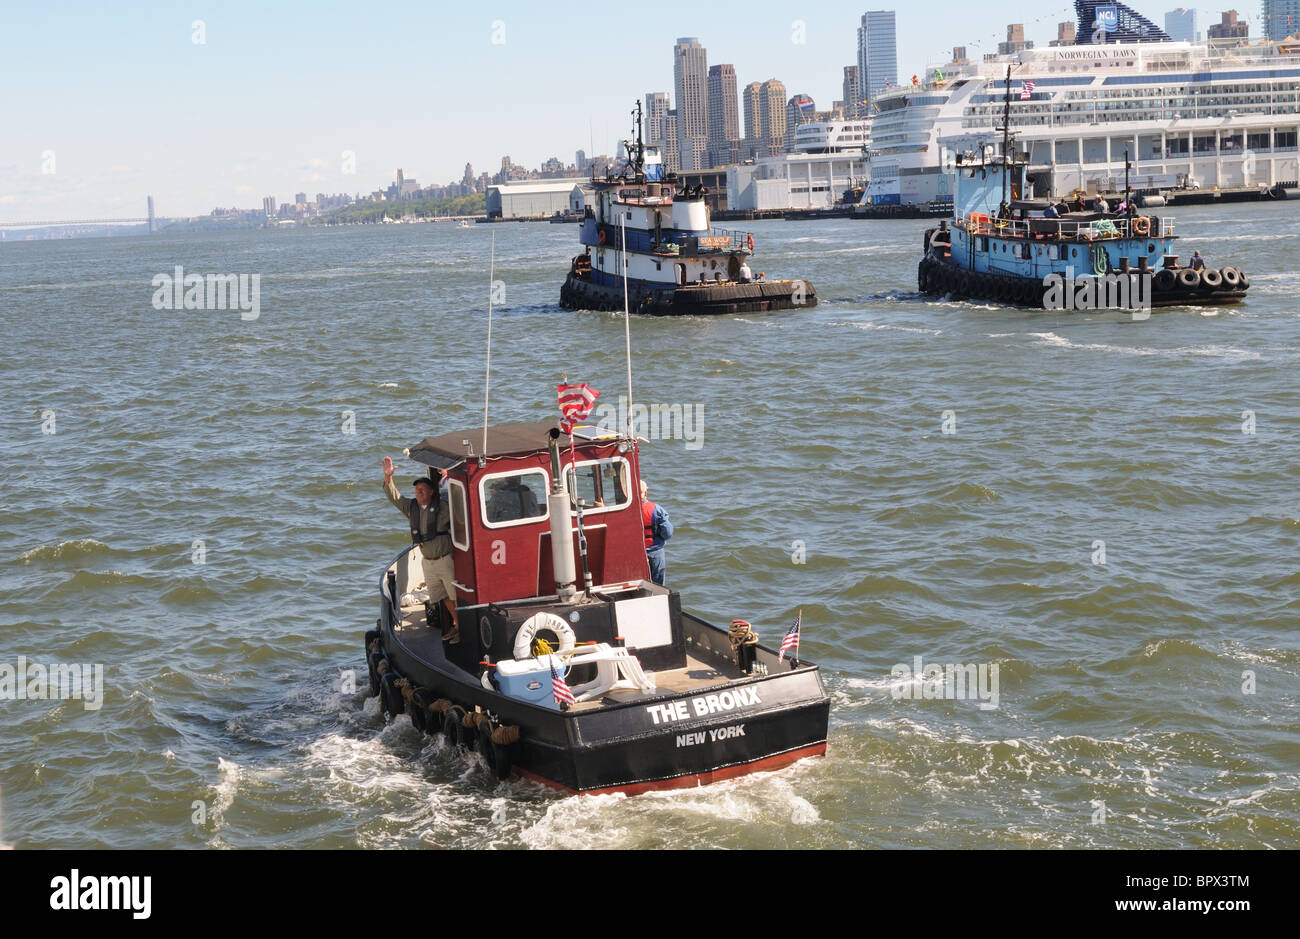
{"points": [[698, 675]]}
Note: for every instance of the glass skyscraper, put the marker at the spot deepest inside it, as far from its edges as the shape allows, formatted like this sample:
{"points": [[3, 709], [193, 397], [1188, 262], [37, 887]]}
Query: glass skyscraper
{"points": [[877, 54], [1281, 18]]}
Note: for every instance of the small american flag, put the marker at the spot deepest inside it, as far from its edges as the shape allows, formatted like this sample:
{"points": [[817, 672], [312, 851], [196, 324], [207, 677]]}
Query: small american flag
{"points": [[790, 640], [1026, 90], [563, 696], [576, 402]]}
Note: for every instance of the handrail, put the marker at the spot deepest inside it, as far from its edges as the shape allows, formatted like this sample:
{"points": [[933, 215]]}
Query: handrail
{"points": [[1104, 229]]}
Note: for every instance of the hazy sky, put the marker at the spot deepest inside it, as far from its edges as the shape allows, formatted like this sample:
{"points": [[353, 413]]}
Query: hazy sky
{"points": [[101, 107]]}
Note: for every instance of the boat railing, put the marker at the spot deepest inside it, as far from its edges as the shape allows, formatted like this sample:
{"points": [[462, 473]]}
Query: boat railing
{"points": [[1101, 229], [725, 240]]}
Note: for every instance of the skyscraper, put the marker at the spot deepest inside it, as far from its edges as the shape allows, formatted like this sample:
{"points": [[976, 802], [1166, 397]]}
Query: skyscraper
{"points": [[1281, 18], [691, 78], [656, 110], [724, 116], [1180, 24], [852, 100], [771, 117], [753, 132], [877, 53], [800, 109], [668, 135]]}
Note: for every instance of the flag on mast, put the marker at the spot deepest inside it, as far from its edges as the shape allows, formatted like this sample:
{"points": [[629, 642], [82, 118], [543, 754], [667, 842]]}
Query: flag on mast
{"points": [[790, 640], [1026, 90], [576, 402], [560, 689]]}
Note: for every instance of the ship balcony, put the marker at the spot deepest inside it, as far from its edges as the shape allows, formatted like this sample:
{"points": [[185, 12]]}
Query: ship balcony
{"points": [[1094, 228], [667, 242]]}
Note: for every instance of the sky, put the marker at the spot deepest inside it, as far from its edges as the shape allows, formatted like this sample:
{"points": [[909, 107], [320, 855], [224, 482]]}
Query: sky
{"points": [[206, 103]]}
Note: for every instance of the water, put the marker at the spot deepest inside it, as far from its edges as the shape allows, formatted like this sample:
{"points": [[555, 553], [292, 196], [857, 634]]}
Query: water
{"points": [[192, 435]]}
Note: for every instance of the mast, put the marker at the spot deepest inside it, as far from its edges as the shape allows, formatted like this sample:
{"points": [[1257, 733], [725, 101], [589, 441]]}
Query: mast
{"points": [[1006, 135], [638, 161]]}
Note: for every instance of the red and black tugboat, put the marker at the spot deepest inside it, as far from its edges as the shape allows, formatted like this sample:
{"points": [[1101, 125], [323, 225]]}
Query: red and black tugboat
{"points": [[592, 680]]}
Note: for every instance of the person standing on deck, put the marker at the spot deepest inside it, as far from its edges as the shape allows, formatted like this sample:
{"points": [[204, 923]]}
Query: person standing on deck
{"points": [[430, 522], [657, 530]]}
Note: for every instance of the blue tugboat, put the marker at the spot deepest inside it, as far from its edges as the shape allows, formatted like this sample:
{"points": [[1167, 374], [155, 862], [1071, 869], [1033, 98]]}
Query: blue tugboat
{"points": [[1010, 250], [659, 234]]}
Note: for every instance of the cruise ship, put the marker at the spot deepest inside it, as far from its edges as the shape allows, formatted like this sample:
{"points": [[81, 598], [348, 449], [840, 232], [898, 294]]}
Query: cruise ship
{"points": [[1188, 114]]}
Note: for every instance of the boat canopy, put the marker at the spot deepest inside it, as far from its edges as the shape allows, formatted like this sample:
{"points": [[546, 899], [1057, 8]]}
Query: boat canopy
{"points": [[451, 450]]}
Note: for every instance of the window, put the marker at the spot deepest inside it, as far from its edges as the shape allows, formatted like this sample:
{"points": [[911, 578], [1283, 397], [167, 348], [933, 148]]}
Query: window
{"points": [[602, 485], [513, 498], [459, 514]]}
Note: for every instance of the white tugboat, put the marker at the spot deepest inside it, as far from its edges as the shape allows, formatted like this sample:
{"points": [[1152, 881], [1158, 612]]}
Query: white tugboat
{"points": [[675, 263]]}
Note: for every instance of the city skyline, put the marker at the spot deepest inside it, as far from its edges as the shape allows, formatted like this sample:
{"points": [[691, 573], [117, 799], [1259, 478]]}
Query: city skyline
{"points": [[202, 112]]}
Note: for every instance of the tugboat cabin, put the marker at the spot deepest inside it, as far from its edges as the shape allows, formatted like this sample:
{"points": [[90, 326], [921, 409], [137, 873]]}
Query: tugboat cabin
{"points": [[508, 511]]}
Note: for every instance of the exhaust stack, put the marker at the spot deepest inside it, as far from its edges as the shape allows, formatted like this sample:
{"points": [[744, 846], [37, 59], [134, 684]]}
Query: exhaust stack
{"points": [[561, 534]]}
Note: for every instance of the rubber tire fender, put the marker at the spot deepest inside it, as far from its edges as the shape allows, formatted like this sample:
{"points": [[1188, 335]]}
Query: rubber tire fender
{"points": [[390, 696], [451, 725], [372, 661], [1231, 277], [1189, 279], [1211, 279], [1164, 280], [495, 755], [420, 715]]}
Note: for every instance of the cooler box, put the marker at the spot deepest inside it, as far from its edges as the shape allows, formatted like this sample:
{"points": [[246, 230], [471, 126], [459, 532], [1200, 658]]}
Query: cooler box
{"points": [[528, 680]]}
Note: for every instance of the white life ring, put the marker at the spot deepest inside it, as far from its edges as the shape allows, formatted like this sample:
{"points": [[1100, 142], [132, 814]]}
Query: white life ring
{"points": [[537, 623]]}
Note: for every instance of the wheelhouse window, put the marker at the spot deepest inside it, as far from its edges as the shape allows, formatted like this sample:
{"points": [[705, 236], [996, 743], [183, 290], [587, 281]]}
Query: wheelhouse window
{"points": [[459, 513], [602, 485], [513, 498]]}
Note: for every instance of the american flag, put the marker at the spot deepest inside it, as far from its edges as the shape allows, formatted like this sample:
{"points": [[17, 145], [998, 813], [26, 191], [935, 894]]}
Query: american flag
{"points": [[576, 402], [563, 696], [1026, 90], [790, 640]]}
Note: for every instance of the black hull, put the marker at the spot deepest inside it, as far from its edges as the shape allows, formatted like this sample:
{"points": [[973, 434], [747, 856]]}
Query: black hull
{"points": [[621, 747], [580, 293], [941, 277]]}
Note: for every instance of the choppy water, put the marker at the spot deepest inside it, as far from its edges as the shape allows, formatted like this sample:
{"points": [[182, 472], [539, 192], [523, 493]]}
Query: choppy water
{"points": [[1120, 683]]}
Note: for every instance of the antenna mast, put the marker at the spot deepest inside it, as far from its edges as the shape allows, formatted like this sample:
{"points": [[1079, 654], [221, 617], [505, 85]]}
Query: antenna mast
{"points": [[487, 381], [1006, 137]]}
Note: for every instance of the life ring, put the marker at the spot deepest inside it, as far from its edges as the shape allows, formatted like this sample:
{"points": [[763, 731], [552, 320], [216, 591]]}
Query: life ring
{"points": [[1231, 277], [1142, 225], [537, 623], [600, 236], [1211, 279], [749, 243]]}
